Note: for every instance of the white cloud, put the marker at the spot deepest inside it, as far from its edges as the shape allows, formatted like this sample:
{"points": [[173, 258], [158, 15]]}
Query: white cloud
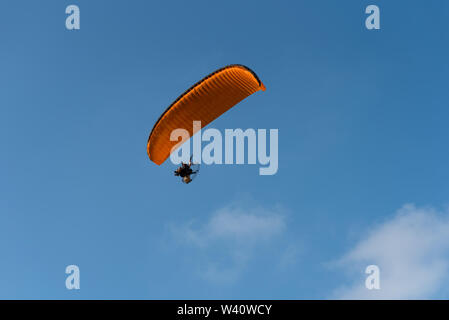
{"points": [[225, 243], [237, 225], [412, 252]]}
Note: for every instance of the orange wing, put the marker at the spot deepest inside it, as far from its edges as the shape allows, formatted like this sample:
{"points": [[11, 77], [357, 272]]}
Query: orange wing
{"points": [[205, 101]]}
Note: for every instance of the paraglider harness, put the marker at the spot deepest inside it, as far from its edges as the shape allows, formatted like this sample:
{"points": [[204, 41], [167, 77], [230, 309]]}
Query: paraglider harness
{"points": [[184, 171]]}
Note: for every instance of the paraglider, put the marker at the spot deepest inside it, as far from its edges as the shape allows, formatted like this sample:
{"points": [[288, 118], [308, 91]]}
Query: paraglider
{"points": [[187, 171], [204, 101]]}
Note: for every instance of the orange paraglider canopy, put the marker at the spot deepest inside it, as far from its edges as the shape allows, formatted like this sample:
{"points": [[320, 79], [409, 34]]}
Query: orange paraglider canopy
{"points": [[205, 101]]}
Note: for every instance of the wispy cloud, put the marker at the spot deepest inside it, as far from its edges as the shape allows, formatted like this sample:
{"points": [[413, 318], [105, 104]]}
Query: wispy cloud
{"points": [[237, 225], [226, 242], [412, 252]]}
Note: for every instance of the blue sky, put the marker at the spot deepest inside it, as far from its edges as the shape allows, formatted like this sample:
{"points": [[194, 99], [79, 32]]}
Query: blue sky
{"points": [[363, 131]]}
